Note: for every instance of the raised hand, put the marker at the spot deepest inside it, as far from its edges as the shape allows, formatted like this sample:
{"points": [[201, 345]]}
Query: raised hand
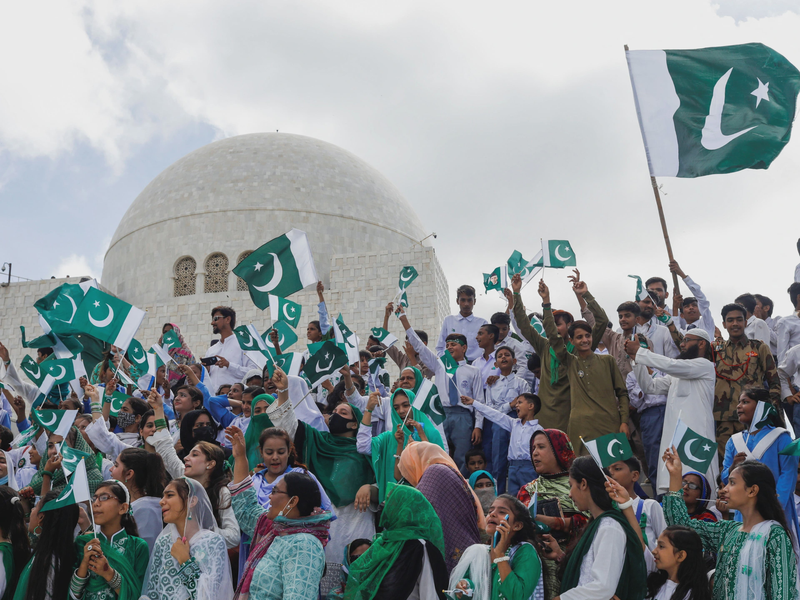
{"points": [[235, 436], [516, 283], [544, 292]]}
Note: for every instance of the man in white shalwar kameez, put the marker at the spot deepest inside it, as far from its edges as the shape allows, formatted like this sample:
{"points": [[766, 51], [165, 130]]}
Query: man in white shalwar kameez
{"points": [[689, 385]]}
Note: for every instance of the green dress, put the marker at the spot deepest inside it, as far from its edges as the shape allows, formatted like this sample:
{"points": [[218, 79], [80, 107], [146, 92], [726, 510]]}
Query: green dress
{"points": [[126, 554], [526, 572], [7, 552], [726, 539]]}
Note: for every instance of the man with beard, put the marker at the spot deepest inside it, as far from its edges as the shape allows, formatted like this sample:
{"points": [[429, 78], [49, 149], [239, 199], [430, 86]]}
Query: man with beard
{"points": [[652, 329], [229, 364], [689, 386]]}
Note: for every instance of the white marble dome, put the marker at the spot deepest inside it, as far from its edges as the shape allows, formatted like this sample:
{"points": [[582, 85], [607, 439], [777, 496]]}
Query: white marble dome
{"points": [[229, 197]]}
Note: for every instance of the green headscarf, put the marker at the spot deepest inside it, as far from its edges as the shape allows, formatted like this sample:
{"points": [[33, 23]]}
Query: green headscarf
{"points": [[633, 579], [258, 423], [384, 445], [407, 515], [336, 462], [418, 378], [93, 473]]}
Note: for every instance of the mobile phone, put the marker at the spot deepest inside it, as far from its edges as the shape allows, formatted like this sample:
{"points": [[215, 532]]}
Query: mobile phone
{"points": [[211, 360], [496, 537]]}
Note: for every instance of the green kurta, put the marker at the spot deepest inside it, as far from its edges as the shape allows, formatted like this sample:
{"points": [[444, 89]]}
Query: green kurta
{"points": [[598, 394], [7, 552], [555, 397], [126, 554], [726, 539]]}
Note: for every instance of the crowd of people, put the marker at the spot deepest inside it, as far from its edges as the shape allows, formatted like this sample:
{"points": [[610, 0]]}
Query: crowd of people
{"points": [[222, 480]]}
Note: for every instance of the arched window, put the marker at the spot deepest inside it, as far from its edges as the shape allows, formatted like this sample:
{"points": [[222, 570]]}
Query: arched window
{"points": [[216, 273], [185, 277], [241, 284]]}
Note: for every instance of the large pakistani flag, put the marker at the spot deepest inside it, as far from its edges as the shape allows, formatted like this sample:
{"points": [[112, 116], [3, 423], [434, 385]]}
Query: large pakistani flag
{"points": [[713, 110], [282, 266], [108, 318]]}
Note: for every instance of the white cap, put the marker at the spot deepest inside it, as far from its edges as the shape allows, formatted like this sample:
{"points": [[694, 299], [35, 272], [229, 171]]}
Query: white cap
{"points": [[699, 332]]}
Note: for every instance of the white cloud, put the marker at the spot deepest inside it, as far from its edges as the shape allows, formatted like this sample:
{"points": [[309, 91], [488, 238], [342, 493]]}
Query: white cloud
{"points": [[74, 265]]}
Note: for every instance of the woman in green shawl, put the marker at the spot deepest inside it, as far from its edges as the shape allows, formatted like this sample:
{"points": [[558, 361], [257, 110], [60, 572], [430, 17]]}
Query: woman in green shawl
{"points": [[50, 475], [386, 447], [607, 560], [393, 565], [112, 564]]}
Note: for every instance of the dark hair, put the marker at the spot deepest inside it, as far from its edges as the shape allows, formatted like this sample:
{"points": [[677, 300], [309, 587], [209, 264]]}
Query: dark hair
{"points": [[653, 280], [55, 551], [127, 521], [305, 488], [534, 362], [217, 479], [422, 335], [225, 311], [365, 354], [274, 432], [138, 405], [633, 464], [12, 525], [533, 399], [561, 314], [73, 404], [336, 396], [794, 292], [631, 307], [748, 301], [149, 475], [316, 324], [45, 351], [584, 467], [253, 391], [195, 394], [6, 437], [528, 533], [761, 394], [688, 301], [733, 307], [692, 574], [165, 325], [767, 503], [187, 429], [145, 416], [508, 349], [457, 337], [474, 452], [492, 329], [500, 318], [359, 382], [582, 325], [465, 290], [766, 301]]}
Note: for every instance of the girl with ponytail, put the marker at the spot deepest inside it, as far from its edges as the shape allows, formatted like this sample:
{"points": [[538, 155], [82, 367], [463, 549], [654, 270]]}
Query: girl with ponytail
{"points": [[14, 547], [115, 561], [144, 475]]}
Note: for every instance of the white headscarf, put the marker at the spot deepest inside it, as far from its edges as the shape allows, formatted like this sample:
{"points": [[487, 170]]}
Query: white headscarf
{"points": [[206, 546]]}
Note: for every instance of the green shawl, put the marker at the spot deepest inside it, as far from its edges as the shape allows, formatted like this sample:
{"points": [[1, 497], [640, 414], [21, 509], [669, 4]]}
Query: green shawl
{"points": [[258, 423], [132, 565], [336, 462], [407, 515], [633, 579], [555, 364], [384, 445], [93, 472]]}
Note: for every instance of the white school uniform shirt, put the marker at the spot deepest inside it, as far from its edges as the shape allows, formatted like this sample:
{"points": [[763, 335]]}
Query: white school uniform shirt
{"points": [[655, 519], [788, 334], [522, 352], [235, 372], [601, 569], [639, 400], [467, 326], [757, 329], [666, 591], [659, 335], [486, 367], [504, 390], [789, 372], [519, 447], [706, 320]]}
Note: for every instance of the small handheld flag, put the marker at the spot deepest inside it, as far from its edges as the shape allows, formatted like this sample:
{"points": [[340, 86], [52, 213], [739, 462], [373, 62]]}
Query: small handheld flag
{"points": [[641, 293], [285, 310], [383, 336], [324, 363], [76, 490], [558, 254], [170, 340], [765, 414], [70, 457], [137, 356], [286, 336], [116, 399], [608, 449], [496, 280], [108, 318], [407, 276], [58, 422], [694, 450], [428, 401]]}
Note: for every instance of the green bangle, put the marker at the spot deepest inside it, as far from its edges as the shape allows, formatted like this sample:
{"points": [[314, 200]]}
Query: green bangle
{"points": [[161, 424], [368, 410], [548, 305], [49, 474]]}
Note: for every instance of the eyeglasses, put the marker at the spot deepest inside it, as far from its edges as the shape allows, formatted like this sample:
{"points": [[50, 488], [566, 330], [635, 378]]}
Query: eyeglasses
{"points": [[690, 485], [274, 491], [102, 498], [217, 318]]}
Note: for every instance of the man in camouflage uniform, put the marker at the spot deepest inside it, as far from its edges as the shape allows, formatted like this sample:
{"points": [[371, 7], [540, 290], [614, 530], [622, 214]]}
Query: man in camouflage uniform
{"points": [[740, 362]]}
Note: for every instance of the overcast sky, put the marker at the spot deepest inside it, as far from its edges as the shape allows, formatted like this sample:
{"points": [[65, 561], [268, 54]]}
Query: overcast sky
{"points": [[501, 123]]}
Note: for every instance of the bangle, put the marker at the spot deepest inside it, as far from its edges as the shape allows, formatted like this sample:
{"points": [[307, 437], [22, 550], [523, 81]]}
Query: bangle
{"points": [[281, 391], [48, 473], [624, 505], [497, 561], [161, 424], [368, 410], [397, 456], [116, 581], [7, 362]]}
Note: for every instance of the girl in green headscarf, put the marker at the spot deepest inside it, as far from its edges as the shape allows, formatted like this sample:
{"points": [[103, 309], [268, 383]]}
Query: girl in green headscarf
{"points": [[54, 477], [387, 447], [393, 565]]}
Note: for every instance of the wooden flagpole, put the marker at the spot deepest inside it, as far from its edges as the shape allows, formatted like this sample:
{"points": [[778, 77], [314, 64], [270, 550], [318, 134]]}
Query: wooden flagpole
{"points": [[658, 204]]}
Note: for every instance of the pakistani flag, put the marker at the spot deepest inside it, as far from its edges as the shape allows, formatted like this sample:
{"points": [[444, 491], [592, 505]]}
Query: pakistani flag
{"points": [[60, 306], [407, 276], [538, 326], [58, 422], [32, 370], [26, 437], [70, 458], [403, 299], [137, 356], [345, 336], [154, 363], [694, 450], [249, 339], [282, 266], [450, 364], [532, 269], [765, 414], [713, 110], [792, 449], [286, 336], [289, 362], [378, 375], [428, 401], [108, 318], [496, 280], [69, 344], [170, 340], [383, 336], [316, 346], [608, 449], [76, 491], [116, 399], [641, 293], [284, 310], [62, 370], [558, 254], [324, 363]]}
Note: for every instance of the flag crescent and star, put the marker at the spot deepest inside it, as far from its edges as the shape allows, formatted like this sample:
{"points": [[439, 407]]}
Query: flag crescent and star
{"points": [[41, 420], [558, 254], [61, 374], [102, 322], [712, 136], [38, 372], [248, 343], [324, 368], [286, 314], [610, 451], [277, 274], [687, 448]]}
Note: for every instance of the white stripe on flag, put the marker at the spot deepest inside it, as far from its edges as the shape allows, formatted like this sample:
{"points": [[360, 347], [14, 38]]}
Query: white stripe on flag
{"points": [[60, 350], [80, 483], [259, 360], [66, 423], [47, 384], [129, 328], [656, 103], [680, 431], [257, 336], [162, 354], [301, 251], [422, 394]]}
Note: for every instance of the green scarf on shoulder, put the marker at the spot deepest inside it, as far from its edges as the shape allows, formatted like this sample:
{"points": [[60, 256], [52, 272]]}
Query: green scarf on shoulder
{"points": [[132, 574], [633, 579], [555, 364]]}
